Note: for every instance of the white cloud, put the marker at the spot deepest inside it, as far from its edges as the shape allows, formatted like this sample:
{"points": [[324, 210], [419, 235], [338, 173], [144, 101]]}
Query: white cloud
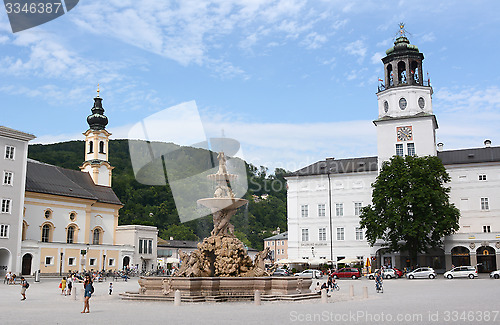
{"points": [[429, 37], [357, 48], [376, 57], [314, 41]]}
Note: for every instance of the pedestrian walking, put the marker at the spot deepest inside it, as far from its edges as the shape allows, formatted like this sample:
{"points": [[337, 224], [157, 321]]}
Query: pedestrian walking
{"points": [[110, 288], [70, 285], [24, 285], [89, 289], [63, 286]]}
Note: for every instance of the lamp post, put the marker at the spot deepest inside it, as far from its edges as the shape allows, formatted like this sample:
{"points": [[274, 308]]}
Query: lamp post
{"points": [[330, 213]]}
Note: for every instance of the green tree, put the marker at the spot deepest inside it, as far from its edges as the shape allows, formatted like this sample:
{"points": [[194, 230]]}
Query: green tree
{"points": [[410, 208], [178, 232]]}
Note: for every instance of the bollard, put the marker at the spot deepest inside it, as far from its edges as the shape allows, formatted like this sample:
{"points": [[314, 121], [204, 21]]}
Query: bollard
{"points": [[256, 298], [351, 291], [73, 291], [177, 298], [365, 292], [324, 297]]}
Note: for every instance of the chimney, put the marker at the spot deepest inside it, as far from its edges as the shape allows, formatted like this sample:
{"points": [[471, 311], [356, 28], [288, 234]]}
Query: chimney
{"points": [[487, 143], [440, 146]]}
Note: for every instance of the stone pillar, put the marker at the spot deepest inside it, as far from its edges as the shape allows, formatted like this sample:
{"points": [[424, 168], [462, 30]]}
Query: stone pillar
{"points": [[177, 298], [365, 292], [473, 258], [256, 299], [447, 261], [324, 297], [351, 291], [498, 260]]}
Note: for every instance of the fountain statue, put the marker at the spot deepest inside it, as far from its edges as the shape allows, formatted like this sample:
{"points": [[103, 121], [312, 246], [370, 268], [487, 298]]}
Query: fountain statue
{"points": [[222, 254], [220, 269]]}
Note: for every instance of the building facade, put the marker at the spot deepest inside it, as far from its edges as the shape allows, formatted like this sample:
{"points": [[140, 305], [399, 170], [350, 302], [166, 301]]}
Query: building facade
{"points": [[14, 150], [278, 246], [70, 219], [325, 198]]}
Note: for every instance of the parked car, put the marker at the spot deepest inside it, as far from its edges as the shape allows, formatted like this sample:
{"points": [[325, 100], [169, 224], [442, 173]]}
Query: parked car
{"points": [[461, 272], [347, 272], [386, 274], [399, 273], [422, 272], [495, 274], [310, 274], [281, 272]]}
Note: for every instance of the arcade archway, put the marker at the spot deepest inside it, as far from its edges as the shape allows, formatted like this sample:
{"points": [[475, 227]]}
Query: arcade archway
{"points": [[460, 255], [486, 259], [5, 259]]}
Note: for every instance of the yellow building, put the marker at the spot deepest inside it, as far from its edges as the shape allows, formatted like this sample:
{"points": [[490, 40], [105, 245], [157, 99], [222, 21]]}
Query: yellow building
{"points": [[71, 217]]}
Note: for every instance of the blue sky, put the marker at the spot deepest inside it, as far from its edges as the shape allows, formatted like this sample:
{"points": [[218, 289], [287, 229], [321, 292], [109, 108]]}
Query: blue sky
{"points": [[293, 81]]}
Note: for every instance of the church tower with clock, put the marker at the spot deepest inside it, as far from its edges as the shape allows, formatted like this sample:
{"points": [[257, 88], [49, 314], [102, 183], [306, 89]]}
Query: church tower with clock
{"points": [[406, 124]]}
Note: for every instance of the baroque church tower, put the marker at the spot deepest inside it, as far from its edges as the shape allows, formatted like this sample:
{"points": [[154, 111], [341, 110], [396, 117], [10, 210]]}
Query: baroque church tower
{"points": [[406, 124], [96, 145]]}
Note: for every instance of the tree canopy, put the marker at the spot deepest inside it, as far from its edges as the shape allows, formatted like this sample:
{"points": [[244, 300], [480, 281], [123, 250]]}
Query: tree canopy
{"points": [[410, 208]]}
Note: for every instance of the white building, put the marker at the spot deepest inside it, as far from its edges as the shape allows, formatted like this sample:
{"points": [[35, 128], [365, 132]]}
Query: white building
{"points": [[14, 148], [145, 241], [325, 198]]}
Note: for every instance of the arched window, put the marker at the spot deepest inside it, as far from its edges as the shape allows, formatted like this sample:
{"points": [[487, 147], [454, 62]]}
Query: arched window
{"points": [[101, 147], [97, 237], [46, 230], [25, 230], [415, 72], [70, 238], [402, 72], [48, 214], [91, 146], [390, 76]]}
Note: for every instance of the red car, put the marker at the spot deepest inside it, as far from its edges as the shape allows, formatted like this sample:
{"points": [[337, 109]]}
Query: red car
{"points": [[347, 272], [399, 273]]}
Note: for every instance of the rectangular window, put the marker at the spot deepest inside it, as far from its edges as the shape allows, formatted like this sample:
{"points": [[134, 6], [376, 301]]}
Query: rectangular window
{"points": [[462, 178], [71, 261], [484, 203], [282, 243], [411, 149], [304, 211], [7, 177], [140, 246], [321, 210], [357, 208], [6, 203], [111, 262], [92, 262], [399, 149], [9, 152], [339, 209], [482, 177], [322, 234], [49, 260], [150, 246], [305, 234], [486, 229], [4, 231], [359, 233], [340, 233]]}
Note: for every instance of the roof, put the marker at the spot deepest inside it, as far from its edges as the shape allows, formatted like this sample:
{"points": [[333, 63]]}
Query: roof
{"points": [[470, 156], [15, 134], [420, 114], [50, 179], [282, 236], [340, 166], [178, 243]]}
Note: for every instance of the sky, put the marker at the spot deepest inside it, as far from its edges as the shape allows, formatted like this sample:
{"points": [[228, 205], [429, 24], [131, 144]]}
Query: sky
{"points": [[293, 81]]}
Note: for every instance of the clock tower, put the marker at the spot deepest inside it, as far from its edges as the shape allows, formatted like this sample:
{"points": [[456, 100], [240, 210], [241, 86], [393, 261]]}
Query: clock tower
{"points": [[406, 124]]}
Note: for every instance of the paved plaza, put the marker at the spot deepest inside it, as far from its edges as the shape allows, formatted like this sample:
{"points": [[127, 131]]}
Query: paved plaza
{"points": [[439, 301]]}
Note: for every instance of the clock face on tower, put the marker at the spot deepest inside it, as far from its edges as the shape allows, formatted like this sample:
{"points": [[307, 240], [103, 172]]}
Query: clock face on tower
{"points": [[404, 133]]}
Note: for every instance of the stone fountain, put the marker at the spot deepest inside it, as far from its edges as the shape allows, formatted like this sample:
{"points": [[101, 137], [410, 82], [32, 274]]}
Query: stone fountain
{"points": [[220, 269]]}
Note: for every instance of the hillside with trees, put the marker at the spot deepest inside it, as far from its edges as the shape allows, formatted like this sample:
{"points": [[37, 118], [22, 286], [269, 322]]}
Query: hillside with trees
{"points": [[154, 204]]}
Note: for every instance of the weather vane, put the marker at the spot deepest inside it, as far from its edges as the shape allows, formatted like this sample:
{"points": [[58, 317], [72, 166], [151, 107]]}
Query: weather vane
{"points": [[402, 31]]}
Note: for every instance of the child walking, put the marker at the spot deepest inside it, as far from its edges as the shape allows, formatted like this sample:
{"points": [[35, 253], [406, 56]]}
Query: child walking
{"points": [[110, 288]]}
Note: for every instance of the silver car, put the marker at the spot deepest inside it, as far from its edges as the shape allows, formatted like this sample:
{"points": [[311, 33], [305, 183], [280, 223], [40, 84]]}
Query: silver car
{"points": [[422, 272], [495, 274], [461, 272]]}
